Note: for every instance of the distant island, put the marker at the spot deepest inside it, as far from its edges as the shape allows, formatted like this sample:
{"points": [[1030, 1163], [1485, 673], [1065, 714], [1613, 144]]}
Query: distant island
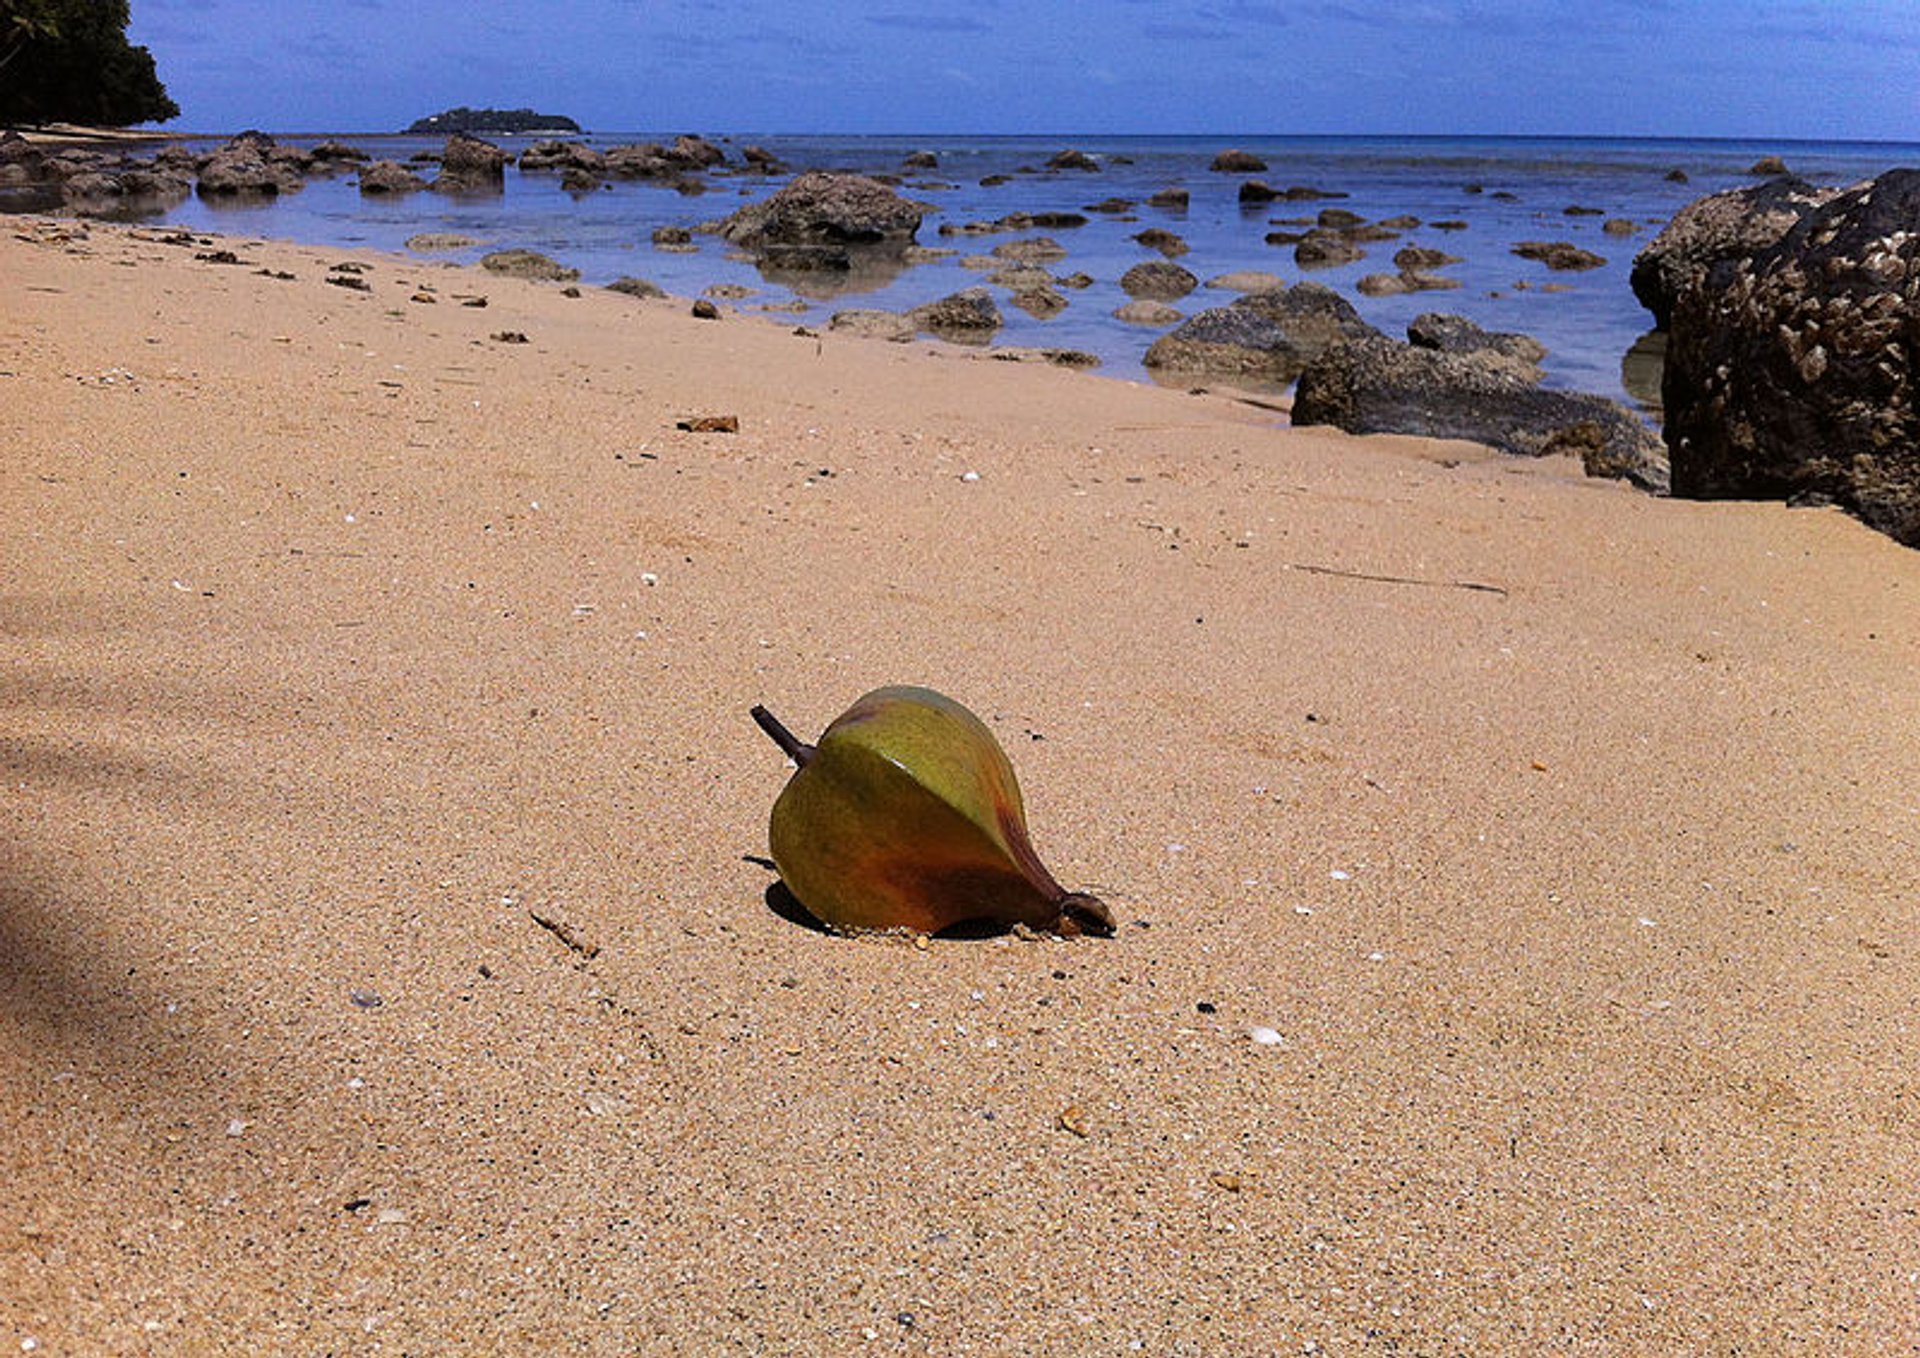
{"points": [[498, 120]]}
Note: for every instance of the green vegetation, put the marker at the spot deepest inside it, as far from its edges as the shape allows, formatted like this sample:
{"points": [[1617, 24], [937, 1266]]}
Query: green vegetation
{"points": [[70, 61], [496, 120]]}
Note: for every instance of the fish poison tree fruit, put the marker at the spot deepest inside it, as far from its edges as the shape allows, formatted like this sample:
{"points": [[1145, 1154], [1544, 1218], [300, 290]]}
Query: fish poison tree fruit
{"points": [[906, 815]]}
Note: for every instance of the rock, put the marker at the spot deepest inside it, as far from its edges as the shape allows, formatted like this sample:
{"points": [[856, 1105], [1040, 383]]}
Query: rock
{"points": [[640, 160], [1111, 207], [1558, 255], [965, 317], [1176, 199], [873, 324], [563, 155], [1768, 166], [1158, 315], [1248, 280], [1720, 227], [1237, 162], [527, 264], [1791, 373], [1256, 191], [1039, 303], [389, 176], [636, 287], [330, 155], [1268, 336], [471, 166], [1159, 280], [1678, 176], [1163, 240], [1338, 219], [243, 168], [1383, 285], [1418, 257], [1380, 386], [695, 153], [1450, 334], [760, 160], [1031, 250], [1072, 160], [921, 160], [704, 310], [432, 242], [1306, 193], [672, 238], [1321, 249], [826, 209]]}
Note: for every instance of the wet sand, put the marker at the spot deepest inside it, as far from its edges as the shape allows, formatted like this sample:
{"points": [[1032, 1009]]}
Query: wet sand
{"points": [[388, 960]]}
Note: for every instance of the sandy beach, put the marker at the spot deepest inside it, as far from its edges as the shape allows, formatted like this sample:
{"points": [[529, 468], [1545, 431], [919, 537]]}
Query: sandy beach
{"points": [[387, 962]]}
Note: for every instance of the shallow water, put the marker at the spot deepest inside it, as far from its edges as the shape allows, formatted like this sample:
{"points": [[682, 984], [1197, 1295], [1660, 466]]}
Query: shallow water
{"points": [[1589, 320]]}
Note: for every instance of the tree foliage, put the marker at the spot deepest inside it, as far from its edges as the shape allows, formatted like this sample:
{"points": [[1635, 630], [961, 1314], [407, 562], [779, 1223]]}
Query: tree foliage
{"points": [[70, 61]]}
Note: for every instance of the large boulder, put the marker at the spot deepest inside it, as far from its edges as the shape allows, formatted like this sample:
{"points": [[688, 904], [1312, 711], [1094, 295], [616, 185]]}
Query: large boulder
{"points": [[1795, 372], [469, 165], [246, 167], [1380, 386], [1265, 336], [1721, 226], [827, 211]]}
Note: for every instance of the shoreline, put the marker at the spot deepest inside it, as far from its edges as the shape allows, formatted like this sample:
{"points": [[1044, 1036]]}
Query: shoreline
{"points": [[1562, 835]]}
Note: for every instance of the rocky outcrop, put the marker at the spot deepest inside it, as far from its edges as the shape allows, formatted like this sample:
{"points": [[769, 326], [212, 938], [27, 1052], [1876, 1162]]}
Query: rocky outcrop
{"points": [[1379, 386], [246, 167], [389, 176], [1450, 334], [1158, 280], [1236, 161], [1795, 371], [822, 219], [965, 317], [563, 156], [1722, 226], [471, 166], [1073, 160], [1267, 336]]}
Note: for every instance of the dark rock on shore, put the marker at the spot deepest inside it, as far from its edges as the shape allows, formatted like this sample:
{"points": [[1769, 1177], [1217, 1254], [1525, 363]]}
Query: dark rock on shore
{"points": [[527, 264], [1720, 227], [1377, 385], [1450, 334], [1795, 372], [1267, 336]]}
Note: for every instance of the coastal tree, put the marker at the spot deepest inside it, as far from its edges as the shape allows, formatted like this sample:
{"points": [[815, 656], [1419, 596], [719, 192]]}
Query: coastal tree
{"points": [[70, 61]]}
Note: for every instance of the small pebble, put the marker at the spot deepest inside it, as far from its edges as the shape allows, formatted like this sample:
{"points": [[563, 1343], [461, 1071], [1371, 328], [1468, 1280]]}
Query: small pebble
{"points": [[366, 999], [1265, 1037]]}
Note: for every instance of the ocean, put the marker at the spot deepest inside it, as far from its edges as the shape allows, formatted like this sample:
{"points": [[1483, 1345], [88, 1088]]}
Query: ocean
{"points": [[1505, 190]]}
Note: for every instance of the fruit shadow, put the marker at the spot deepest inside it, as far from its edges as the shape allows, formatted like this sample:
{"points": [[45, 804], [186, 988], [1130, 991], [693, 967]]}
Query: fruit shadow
{"points": [[786, 905]]}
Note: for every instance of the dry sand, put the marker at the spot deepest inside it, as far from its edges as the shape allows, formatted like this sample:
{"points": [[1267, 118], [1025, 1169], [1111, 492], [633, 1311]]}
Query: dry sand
{"points": [[343, 644]]}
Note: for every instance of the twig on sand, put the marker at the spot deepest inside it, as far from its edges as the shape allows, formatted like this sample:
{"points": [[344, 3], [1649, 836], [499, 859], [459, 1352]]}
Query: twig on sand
{"points": [[1398, 579]]}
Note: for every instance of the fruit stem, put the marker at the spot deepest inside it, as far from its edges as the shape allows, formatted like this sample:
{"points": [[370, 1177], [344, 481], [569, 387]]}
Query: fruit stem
{"points": [[797, 749]]}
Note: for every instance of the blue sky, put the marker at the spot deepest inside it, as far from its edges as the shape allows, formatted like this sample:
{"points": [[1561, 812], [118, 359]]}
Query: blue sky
{"points": [[1734, 68]]}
